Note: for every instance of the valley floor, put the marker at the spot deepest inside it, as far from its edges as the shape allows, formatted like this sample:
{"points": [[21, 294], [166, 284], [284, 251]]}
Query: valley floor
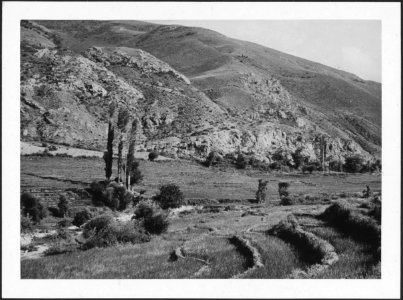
{"points": [[222, 235]]}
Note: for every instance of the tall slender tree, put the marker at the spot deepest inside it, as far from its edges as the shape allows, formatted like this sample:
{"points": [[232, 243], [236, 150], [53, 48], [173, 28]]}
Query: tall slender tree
{"points": [[130, 152], [123, 120], [108, 155]]}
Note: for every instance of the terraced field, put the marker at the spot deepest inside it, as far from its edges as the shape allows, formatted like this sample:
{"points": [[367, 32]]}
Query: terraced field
{"points": [[227, 239]]}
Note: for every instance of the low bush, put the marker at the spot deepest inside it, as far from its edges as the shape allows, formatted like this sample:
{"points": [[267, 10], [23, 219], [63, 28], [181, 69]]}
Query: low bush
{"points": [[287, 201], [170, 196], [353, 164], [308, 168], [63, 155], [60, 248], [32, 207], [63, 206], [156, 223], [105, 232], [96, 225], [283, 189], [81, 217], [110, 194], [336, 165], [153, 155], [54, 212], [275, 166], [65, 222], [241, 162], [376, 209], [143, 210], [342, 216], [211, 159], [26, 224]]}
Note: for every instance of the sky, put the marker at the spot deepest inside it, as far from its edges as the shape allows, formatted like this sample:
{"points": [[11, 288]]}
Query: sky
{"points": [[350, 45]]}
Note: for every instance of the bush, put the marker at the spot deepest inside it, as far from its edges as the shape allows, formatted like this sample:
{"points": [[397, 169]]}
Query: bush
{"points": [[97, 191], [309, 168], [32, 207], [156, 224], [283, 189], [298, 158], [109, 233], [134, 172], [361, 227], [63, 206], [54, 211], [153, 155], [353, 164], [65, 222], [211, 159], [113, 195], [143, 210], [170, 196], [287, 201], [97, 224], [26, 224], [241, 162], [336, 165], [60, 248], [275, 166], [131, 233], [81, 217]]}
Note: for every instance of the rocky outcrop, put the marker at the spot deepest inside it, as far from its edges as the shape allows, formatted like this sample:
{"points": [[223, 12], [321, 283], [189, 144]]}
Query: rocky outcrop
{"points": [[65, 98], [133, 58]]}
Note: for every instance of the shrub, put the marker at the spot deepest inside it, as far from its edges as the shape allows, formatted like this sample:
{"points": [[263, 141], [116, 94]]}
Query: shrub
{"points": [[287, 201], [81, 217], [133, 170], [336, 165], [211, 159], [112, 195], [283, 189], [170, 196], [97, 191], [110, 233], [341, 215], [143, 210], [54, 211], [309, 168], [63, 206], [65, 222], [376, 209], [60, 248], [156, 224], [97, 224], [353, 164], [26, 224], [32, 207], [131, 233], [275, 166], [153, 155], [241, 162], [298, 158]]}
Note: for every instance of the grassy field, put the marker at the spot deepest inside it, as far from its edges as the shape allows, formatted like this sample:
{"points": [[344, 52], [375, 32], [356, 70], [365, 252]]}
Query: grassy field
{"points": [[203, 236], [194, 180]]}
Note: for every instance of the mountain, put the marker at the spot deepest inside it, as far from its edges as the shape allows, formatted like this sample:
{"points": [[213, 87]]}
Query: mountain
{"points": [[193, 89]]}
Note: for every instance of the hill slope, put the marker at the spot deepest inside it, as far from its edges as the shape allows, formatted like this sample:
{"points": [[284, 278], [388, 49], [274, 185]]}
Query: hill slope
{"points": [[233, 95]]}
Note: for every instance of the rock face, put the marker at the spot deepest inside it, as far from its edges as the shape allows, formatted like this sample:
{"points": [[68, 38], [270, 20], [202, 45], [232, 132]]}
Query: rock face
{"points": [[66, 96]]}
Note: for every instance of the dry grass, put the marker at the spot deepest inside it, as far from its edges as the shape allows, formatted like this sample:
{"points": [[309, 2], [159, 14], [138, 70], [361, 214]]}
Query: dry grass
{"points": [[279, 258], [356, 260]]}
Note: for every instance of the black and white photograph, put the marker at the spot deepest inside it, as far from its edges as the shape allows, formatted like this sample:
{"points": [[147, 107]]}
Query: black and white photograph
{"points": [[251, 149]]}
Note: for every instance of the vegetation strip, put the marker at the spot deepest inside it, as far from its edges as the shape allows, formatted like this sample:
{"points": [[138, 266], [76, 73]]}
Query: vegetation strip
{"points": [[251, 252], [316, 250]]}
